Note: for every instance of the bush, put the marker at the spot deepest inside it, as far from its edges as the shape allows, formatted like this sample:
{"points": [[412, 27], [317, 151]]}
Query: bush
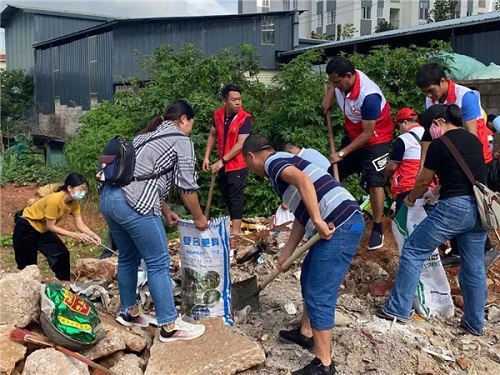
{"points": [[16, 99]]}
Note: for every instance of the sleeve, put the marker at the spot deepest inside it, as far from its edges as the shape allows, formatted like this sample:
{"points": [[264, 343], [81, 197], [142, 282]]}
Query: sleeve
{"points": [[275, 167], [245, 127], [471, 109], [432, 158], [426, 137], [370, 110], [398, 151], [185, 175], [75, 209]]}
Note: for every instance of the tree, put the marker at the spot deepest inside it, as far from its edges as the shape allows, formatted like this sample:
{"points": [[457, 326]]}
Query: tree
{"points": [[497, 6], [345, 31], [384, 25], [17, 97], [443, 10]]}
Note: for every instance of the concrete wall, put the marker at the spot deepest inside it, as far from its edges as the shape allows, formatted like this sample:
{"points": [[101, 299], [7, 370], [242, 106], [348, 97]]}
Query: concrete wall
{"points": [[490, 93], [64, 122]]}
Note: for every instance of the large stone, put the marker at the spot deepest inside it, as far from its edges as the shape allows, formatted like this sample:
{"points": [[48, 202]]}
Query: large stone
{"points": [[95, 269], [426, 365], [11, 352], [20, 297], [51, 362], [216, 352], [129, 364], [118, 338]]}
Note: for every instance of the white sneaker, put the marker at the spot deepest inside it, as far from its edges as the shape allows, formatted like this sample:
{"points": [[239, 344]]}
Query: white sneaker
{"points": [[132, 321], [182, 331]]}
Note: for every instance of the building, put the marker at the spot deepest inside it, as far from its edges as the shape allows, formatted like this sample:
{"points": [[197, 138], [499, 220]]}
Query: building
{"points": [[25, 26], [330, 16]]}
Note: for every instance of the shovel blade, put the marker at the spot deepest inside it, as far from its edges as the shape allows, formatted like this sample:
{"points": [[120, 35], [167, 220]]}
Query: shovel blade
{"points": [[245, 292]]}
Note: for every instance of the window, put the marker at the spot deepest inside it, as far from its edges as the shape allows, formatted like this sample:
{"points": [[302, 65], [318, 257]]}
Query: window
{"points": [[265, 6], [93, 76], [56, 66], [424, 11], [366, 13], [469, 13], [286, 4], [320, 20], [268, 30], [330, 18], [295, 4], [380, 11], [482, 4]]}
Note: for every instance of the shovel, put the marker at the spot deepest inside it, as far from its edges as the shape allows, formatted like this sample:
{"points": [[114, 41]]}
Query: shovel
{"points": [[328, 117], [210, 194], [246, 292]]}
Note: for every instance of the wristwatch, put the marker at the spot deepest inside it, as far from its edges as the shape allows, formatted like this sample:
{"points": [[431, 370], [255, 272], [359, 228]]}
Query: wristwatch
{"points": [[341, 154], [223, 161]]}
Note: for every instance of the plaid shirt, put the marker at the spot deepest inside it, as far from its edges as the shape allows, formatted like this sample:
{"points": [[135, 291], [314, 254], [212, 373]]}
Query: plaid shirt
{"points": [[175, 150]]}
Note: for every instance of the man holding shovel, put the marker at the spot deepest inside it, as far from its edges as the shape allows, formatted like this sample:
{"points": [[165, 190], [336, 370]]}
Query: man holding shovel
{"points": [[230, 128], [370, 129], [320, 204]]}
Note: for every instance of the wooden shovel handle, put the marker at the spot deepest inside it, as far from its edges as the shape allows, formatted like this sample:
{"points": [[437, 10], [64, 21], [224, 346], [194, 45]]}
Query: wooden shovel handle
{"points": [[210, 194], [296, 255], [328, 117], [84, 360]]}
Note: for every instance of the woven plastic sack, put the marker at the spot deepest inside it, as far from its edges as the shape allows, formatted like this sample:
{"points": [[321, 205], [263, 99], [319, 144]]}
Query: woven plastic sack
{"points": [[433, 294], [205, 277]]}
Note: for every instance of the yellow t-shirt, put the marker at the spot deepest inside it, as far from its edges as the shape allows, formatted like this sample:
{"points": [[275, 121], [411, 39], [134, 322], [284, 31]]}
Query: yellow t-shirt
{"points": [[50, 207]]}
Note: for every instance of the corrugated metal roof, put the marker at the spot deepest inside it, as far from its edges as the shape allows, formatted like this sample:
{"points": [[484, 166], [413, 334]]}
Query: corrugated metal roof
{"points": [[97, 29], [449, 24], [11, 9]]}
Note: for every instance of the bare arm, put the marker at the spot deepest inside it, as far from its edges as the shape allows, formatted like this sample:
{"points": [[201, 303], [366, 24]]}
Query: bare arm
{"points": [[236, 148], [307, 192], [296, 236], [210, 146], [193, 205], [471, 126], [422, 182], [368, 132], [424, 146], [390, 169], [52, 226]]}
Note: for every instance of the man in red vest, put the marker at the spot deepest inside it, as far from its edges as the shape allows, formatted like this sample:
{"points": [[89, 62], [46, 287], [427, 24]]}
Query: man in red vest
{"points": [[370, 129], [439, 89], [231, 126]]}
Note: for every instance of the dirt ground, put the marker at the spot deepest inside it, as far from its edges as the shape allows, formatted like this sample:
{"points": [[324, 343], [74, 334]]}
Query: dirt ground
{"points": [[362, 343]]}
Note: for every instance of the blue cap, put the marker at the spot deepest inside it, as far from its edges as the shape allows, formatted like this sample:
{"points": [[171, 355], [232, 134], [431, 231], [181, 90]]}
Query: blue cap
{"points": [[496, 123]]}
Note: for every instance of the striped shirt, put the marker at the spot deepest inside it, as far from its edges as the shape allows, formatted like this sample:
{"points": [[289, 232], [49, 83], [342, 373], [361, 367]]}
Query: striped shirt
{"points": [[175, 149], [335, 203]]}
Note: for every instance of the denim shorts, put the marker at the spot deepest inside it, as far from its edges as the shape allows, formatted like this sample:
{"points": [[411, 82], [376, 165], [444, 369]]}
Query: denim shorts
{"points": [[324, 269]]}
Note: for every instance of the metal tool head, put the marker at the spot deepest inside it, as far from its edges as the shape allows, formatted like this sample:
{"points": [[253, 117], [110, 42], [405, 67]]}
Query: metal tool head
{"points": [[245, 293]]}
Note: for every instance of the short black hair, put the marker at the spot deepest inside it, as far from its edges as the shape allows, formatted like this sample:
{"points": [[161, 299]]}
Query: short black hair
{"points": [[450, 113], [491, 117], [226, 89], [340, 65], [430, 74], [256, 143], [287, 146]]}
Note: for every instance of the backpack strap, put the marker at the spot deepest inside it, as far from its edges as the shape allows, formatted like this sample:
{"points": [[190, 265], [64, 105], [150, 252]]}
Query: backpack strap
{"points": [[460, 160], [416, 137], [156, 175]]}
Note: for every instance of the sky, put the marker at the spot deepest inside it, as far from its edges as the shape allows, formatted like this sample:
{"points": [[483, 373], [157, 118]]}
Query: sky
{"points": [[135, 8]]}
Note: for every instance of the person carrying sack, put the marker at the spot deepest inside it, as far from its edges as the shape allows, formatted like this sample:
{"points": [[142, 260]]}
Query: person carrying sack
{"points": [[36, 227], [456, 215]]}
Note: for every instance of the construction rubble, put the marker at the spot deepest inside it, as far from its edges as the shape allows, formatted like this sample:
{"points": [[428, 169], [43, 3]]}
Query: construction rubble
{"points": [[362, 343]]}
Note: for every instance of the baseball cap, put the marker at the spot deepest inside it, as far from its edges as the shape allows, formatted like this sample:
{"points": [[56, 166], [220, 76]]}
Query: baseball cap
{"points": [[496, 123], [431, 113], [406, 114]]}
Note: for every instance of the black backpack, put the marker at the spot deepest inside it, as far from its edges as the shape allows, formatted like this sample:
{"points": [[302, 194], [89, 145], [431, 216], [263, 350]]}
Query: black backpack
{"points": [[117, 162]]}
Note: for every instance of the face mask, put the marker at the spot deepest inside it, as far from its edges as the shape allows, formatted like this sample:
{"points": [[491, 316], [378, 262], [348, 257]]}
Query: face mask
{"points": [[435, 131], [79, 195]]}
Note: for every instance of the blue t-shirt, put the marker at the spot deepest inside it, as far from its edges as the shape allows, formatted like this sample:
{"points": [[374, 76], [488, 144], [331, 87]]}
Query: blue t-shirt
{"points": [[335, 203], [315, 157], [471, 109], [370, 110]]}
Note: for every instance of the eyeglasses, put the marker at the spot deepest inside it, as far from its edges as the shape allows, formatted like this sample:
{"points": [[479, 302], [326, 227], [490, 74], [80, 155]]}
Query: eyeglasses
{"points": [[336, 83]]}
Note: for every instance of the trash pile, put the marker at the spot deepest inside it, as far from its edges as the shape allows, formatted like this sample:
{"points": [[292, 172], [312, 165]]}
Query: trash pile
{"points": [[362, 343]]}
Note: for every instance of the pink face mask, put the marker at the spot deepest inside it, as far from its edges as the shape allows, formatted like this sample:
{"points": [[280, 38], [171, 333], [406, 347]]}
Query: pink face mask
{"points": [[435, 131]]}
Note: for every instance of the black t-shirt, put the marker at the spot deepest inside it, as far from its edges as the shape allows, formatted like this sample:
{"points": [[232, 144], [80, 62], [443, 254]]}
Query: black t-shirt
{"points": [[453, 180]]}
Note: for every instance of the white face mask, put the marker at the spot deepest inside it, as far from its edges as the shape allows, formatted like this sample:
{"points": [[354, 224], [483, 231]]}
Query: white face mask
{"points": [[79, 195]]}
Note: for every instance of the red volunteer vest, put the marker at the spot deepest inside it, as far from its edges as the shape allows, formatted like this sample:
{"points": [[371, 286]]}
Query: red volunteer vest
{"points": [[351, 103], [454, 96], [237, 162]]}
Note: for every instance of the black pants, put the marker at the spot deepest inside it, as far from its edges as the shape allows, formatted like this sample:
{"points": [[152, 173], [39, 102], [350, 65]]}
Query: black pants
{"points": [[232, 184], [27, 241]]}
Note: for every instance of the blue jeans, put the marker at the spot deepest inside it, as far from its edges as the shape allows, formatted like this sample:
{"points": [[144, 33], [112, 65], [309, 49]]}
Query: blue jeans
{"points": [[451, 217], [139, 236], [324, 269]]}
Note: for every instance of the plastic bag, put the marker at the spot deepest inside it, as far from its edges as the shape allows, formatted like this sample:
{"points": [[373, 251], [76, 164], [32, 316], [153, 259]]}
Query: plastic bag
{"points": [[433, 294], [72, 316], [283, 216], [205, 277]]}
